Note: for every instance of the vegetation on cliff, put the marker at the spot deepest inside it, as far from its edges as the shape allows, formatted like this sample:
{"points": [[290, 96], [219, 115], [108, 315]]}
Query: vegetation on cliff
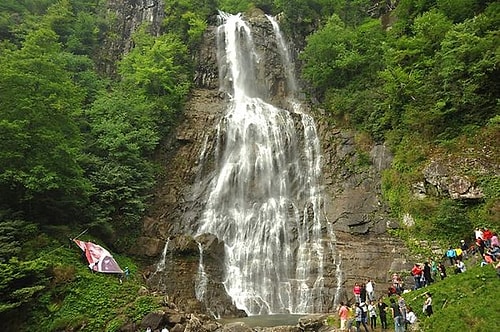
{"points": [[77, 144]]}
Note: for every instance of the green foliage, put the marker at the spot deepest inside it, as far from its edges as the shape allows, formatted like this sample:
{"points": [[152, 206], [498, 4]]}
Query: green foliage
{"points": [[337, 56], [13, 232], [75, 147], [80, 299], [430, 81], [407, 10], [85, 34], [396, 191], [489, 214], [158, 67], [39, 138], [234, 6], [458, 10], [188, 19], [451, 222], [123, 133], [468, 72], [21, 277], [142, 306], [59, 18]]}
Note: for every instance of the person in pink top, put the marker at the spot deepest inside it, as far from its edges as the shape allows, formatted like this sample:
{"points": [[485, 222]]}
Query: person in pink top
{"points": [[357, 292], [494, 241], [343, 314]]}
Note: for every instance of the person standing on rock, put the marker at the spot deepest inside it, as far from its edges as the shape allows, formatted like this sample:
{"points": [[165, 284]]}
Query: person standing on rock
{"points": [[442, 270], [382, 307], [451, 254], [357, 292], [362, 294], [372, 312], [399, 325], [370, 290], [343, 315], [465, 247], [416, 272], [402, 306], [427, 274], [427, 308], [460, 267], [360, 318]]}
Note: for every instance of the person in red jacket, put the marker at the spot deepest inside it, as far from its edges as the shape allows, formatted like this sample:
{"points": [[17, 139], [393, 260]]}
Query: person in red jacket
{"points": [[487, 235], [416, 272]]}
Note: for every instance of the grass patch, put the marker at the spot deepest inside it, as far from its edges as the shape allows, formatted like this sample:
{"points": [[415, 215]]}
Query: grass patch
{"points": [[463, 302], [82, 300]]}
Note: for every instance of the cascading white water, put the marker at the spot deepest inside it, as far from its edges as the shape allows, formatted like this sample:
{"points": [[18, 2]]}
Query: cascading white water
{"points": [[201, 278], [265, 199], [160, 266], [285, 57]]}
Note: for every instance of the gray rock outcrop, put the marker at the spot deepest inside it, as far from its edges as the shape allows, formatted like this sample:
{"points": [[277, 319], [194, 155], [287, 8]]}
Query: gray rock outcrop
{"points": [[441, 180]]}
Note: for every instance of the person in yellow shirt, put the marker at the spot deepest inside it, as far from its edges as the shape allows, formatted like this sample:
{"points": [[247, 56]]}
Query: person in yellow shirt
{"points": [[459, 253]]}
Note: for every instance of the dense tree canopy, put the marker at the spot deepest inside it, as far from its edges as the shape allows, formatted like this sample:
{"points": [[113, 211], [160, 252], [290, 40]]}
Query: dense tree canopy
{"points": [[40, 139]]}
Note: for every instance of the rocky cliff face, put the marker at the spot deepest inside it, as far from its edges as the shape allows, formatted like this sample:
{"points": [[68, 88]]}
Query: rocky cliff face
{"points": [[126, 17], [351, 186]]}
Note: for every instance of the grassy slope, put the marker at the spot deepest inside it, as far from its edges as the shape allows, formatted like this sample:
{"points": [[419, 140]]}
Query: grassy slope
{"points": [[86, 301], [463, 302], [467, 302]]}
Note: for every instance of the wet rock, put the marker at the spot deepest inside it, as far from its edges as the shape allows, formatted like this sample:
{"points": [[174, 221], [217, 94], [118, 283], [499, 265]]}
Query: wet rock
{"points": [[236, 327], [127, 15], [313, 323], [278, 329], [155, 320]]}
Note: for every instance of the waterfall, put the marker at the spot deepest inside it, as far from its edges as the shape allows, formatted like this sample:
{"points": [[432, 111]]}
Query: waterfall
{"points": [[285, 57], [160, 266], [265, 198], [201, 278]]}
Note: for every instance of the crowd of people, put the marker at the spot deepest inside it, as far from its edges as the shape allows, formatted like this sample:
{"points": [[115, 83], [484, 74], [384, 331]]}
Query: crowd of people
{"points": [[367, 311]]}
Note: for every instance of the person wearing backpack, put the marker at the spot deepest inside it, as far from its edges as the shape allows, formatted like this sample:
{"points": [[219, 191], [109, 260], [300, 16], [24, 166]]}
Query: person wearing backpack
{"points": [[399, 322], [361, 316]]}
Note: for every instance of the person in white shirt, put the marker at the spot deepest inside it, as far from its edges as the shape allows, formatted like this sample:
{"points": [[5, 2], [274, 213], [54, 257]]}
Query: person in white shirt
{"points": [[427, 308], [372, 312], [459, 267], [370, 290], [411, 318], [478, 233]]}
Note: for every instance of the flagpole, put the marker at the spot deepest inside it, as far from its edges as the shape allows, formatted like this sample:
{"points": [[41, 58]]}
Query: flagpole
{"points": [[85, 231]]}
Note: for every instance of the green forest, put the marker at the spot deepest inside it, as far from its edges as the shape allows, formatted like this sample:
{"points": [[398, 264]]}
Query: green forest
{"points": [[79, 128]]}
